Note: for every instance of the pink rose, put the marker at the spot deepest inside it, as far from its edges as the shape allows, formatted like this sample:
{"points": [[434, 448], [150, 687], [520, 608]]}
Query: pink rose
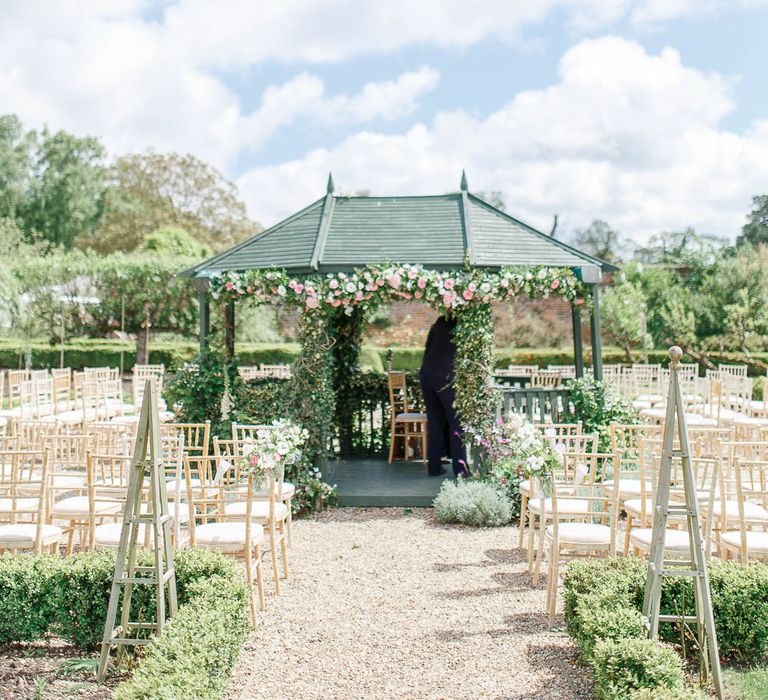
{"points": [[395, 281], [418, 295], [411, 274], [448, 283], [472, 287], [359, 296], [336, 302], [380, 283], [504, 283], [312, 303], [292, 284], [299, 288], [578, 301], [555, 284], [249, 290], [333, 284], [421, 283], [467, 294], [229, 286], [448, 298]]}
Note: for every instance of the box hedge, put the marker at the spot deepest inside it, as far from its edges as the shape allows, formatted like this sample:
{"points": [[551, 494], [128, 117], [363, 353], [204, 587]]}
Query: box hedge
{"points": [[68, 597], [739, 600]]}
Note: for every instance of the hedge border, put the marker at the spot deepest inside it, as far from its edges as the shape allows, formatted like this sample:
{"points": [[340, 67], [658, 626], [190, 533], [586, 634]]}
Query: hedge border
{"points": [[68, 598]]}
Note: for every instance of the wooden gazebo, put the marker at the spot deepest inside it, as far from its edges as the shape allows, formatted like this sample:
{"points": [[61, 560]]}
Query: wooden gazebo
{"points": [[443, 232]]}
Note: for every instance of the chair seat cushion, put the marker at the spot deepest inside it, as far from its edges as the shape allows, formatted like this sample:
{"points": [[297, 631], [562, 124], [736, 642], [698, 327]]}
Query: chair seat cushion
{"points": [[227, 537], [410, 416], [181, 484], [3, 421], [674, 540], [259, 510], [565, 506], [635, 506], [107, 536], [19, 505], [22, 536], [757, 542], [289, 491], [752, 511], [750, 422], [79, 506], [582, 534], [71, 481], [629, 487]]}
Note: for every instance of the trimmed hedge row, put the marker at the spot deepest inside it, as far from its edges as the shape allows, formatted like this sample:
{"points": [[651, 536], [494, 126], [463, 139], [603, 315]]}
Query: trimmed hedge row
{"points": [[603, 598], [195, 654], [68, 597], [96, 352]]}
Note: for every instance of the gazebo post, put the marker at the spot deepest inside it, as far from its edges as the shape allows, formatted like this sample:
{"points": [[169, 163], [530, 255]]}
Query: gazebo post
{"points": [[229, 329], [597, 344], [201, 285], [578, 344]]}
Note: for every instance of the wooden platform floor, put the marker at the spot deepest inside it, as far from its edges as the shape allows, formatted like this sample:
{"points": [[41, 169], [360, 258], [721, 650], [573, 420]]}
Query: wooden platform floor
{"points": [[375, 483]]}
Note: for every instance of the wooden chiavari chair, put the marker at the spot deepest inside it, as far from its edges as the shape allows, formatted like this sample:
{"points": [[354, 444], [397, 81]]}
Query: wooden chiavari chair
{"points": [[236, 534], [744, 517], [24, 524], [406, 425], [197, 436]]}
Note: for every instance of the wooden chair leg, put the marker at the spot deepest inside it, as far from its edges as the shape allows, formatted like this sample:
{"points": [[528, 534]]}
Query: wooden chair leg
{"points": [[273, 552], [283, 550], [554, 574], [424, 443], [260, 578], [392, 438], [289, 521], [523, 515], [249, 579], [627, 534]]}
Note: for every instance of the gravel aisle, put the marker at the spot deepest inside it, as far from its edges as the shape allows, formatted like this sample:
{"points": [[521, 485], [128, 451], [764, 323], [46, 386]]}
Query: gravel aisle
{"points": [[386, 604]]}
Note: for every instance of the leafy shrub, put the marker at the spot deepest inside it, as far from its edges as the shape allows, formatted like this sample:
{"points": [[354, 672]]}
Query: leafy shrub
{"points": [[606, 617], [630, 664], [668, 694], [472, 502], [69, 597], [195, 655], [596, 406], [739, 599]]}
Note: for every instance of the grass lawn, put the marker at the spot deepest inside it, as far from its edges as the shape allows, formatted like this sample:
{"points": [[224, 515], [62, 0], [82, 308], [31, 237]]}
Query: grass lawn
{"points": [[748, 684]]}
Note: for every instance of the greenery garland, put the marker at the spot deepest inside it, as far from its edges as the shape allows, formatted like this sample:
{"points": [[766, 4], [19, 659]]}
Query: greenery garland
{"points": [[328, 300]]}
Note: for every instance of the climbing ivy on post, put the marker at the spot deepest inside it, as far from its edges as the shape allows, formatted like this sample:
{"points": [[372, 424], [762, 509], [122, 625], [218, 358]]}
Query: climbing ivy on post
{"points": [[312, 397], [347, 330], [475, 397]]}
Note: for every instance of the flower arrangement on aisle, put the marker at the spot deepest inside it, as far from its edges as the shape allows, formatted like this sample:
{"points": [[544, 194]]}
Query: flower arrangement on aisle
{"points": [[273, 449], [518, 450]]}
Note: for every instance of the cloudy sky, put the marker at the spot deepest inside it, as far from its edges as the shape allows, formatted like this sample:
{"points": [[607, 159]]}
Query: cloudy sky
{"points": [[650, 114]]}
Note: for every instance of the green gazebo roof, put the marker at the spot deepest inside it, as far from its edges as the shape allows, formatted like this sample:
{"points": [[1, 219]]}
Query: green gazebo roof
{"points": [[338, 233]]}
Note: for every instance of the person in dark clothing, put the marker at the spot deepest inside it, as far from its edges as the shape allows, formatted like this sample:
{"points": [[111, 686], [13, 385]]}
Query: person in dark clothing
{"points": [[436, 377]]}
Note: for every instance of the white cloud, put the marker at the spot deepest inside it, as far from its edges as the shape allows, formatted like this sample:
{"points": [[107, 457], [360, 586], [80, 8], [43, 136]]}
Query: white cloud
{"points": [[303, 98], [657, 12], [626, 136]]}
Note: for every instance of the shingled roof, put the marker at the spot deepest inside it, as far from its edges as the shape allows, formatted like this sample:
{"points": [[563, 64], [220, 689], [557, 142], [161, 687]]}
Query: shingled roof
{"points": [[338, 233]]}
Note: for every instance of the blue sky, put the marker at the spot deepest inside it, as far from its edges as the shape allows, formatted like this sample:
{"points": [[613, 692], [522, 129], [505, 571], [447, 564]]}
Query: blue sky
{"points": [[650, 114]]}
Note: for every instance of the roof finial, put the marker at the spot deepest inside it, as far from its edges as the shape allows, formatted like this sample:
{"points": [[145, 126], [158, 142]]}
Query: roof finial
{"points": [[330, 187], [464, 186]]}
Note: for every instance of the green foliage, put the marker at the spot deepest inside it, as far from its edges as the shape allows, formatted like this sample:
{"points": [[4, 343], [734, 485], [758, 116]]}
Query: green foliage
{"points": [[623, 315], [600, 240], [596, 406], [149, 190], [739, 599], [15, 163], [63, 203], [472, 502], [755, 231], [606, 617], [173, 240], [69, 597], [198, 649], [625, 665]]}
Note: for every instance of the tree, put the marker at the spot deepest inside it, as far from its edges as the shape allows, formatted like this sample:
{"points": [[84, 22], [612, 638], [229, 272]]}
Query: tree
{"points": [[755, 231], [15, 163], [65, 198], [148, 191], [495, 198], [600, 240], [171, 240], [685, 248], [624, 316]]}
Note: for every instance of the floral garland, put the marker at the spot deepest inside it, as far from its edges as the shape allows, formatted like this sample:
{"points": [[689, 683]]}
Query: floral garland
{"points": [[369, 286]]}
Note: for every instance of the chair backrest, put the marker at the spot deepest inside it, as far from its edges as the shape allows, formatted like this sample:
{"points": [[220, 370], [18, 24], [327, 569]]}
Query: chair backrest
{"points": [[67, 451], [20, 465], [62, 387], [197, 436], [106, 438], [15, 493], [520, 369], [15, 378], [102, 372], [558, 429], [142, 374], [241, 432], [227, 457], [248, 372], [738, 370], [398, 392], [547, 378], [276, 371]]}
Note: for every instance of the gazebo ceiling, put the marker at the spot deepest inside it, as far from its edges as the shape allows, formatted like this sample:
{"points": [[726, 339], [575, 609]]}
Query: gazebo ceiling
{"points": [[337, 233]]}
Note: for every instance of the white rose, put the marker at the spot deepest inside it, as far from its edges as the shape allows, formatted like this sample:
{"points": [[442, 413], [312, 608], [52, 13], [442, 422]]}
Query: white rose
{"points": [[283, 448]]}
